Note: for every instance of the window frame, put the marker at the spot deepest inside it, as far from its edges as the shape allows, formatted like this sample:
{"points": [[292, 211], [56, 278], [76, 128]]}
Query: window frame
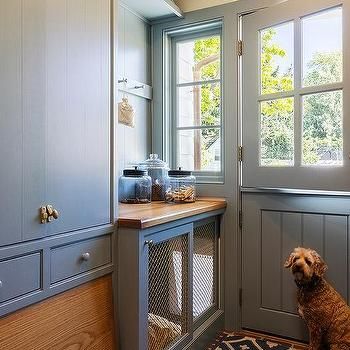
{"points": [[170, 95]]}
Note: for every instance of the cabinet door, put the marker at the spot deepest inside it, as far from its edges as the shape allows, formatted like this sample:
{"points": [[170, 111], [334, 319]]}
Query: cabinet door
{"points": [[78, 115], [170, 287], [22, 119]]}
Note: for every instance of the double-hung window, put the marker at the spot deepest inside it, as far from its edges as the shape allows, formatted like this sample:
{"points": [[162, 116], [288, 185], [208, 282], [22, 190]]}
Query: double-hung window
{"points": [[195, 116]]}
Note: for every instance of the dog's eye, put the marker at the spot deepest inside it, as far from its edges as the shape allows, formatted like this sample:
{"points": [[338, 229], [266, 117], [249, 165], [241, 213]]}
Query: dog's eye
{"points": [[308, 261]]}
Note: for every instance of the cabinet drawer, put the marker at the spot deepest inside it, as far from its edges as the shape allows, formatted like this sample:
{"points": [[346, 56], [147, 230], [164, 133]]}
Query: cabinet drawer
{"points": [[20, 276], [72, 259]]}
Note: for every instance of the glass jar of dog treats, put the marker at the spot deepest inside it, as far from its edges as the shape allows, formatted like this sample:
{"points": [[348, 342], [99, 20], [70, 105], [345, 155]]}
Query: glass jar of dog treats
{"points": [[181, 187], [158, 171], [135, 187]]}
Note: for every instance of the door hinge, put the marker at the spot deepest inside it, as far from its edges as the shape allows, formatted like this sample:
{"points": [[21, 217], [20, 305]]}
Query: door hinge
{"points": [[240, 48], [240, 153], [240, 219], [240, 296]]}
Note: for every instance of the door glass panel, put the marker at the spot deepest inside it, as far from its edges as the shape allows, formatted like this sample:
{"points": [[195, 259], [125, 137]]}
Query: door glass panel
{"points": [[198, 59], [199, 105], [322, 48], [322, 142], [199, 149], [277, 132], [276, 60]]}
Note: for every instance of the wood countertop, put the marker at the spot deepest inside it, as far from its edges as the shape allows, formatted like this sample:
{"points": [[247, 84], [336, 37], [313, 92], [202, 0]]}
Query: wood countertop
{"points": [[142, 216]]}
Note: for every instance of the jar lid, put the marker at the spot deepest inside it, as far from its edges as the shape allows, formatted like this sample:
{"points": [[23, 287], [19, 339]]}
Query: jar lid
{"points": [[180, 172], [153, 162], [135, 172]]}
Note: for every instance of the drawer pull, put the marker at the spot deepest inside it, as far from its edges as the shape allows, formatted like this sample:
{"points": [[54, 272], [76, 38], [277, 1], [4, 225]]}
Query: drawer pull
{"points": [[85, 256]]}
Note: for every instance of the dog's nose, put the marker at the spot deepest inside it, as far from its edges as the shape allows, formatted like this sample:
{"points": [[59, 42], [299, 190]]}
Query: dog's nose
{"points": [[297, 267]]}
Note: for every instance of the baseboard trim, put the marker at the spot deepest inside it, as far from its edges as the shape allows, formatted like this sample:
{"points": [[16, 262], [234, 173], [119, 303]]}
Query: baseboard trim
{"points": [[206, 332]]}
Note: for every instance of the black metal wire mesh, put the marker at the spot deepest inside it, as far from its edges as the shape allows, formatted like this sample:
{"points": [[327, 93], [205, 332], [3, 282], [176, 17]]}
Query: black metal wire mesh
{"points": [[168, 299], [204, 268]]}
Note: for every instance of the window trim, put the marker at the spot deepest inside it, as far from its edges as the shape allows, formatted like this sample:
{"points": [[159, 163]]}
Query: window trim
{"points": [[170, 39]]}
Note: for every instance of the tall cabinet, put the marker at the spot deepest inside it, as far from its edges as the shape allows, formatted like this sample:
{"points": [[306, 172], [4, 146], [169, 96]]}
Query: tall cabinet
{"points": [[55, 143]]}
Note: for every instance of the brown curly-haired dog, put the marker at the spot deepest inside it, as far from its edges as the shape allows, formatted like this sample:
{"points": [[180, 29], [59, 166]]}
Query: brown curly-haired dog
{"points": [[325, 312]]}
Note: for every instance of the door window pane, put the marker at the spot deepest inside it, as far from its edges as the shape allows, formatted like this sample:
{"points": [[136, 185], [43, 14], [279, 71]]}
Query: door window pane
{"points": [[322, 48], [276, 61], [199, 150], [198, 59], [199, 105], [323, 129], [277, 132]]}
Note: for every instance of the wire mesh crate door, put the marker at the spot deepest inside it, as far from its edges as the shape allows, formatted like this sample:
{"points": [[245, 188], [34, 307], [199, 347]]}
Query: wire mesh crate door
{"points": [[204, 268], [167, 292]]}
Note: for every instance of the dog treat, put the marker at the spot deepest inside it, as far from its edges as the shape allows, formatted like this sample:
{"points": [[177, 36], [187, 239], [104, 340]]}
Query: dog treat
{"points": [[181, 194], [158, 191]]}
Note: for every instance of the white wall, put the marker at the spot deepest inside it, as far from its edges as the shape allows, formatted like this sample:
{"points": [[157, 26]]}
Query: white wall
{"points": [[134, 63]]}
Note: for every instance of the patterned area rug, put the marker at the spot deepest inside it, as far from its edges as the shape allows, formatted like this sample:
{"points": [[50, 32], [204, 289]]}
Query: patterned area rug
{"points": [[234, 341]]}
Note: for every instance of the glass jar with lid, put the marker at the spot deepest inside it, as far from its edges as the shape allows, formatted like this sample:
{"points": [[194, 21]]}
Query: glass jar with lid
{"points": [[135, 187], [181, 187], [158, 171]]}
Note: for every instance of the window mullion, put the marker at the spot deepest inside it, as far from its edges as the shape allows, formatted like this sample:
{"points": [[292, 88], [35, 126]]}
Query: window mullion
{"points": [[298, 124]]}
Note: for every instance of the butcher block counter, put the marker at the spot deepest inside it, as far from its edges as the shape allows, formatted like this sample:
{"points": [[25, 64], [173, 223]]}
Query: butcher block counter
{"points": [[141, 216]]}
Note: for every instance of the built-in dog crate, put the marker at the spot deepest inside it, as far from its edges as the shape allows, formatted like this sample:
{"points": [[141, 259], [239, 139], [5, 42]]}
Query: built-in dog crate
{"points": [[178, 283]]}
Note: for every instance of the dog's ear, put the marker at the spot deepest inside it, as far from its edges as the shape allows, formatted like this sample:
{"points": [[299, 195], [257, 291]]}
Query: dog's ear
{"points": [[319, 265], [289, 261]]}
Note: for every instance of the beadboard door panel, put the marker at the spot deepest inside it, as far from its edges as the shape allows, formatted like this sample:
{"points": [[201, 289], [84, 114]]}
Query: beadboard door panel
{"points": [[273, 225], [78, 113], [11, 141], [54, 116], [34, 107]]}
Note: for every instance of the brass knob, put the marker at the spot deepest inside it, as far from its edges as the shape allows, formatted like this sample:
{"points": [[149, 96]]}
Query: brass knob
{"points": [[43, 215], [55, 214], [48, 213]]}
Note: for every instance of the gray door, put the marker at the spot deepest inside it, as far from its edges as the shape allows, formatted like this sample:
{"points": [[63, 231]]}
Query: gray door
{"points": [[272, 226], [54, 115], [295, 141]]}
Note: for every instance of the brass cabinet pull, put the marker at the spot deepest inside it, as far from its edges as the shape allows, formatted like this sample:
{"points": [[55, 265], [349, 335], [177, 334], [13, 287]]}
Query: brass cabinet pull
{"points": [[48, 213], [43, 215], [85, 256]]}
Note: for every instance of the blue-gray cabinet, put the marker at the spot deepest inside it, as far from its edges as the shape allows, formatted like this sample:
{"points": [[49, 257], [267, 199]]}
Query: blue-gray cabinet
{"points": [[168, 278], [55, 146], [54, 116]]}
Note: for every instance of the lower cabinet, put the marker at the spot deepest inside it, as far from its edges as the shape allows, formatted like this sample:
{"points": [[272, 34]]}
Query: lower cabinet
{"points": [[36, 270], [168, 283]]}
